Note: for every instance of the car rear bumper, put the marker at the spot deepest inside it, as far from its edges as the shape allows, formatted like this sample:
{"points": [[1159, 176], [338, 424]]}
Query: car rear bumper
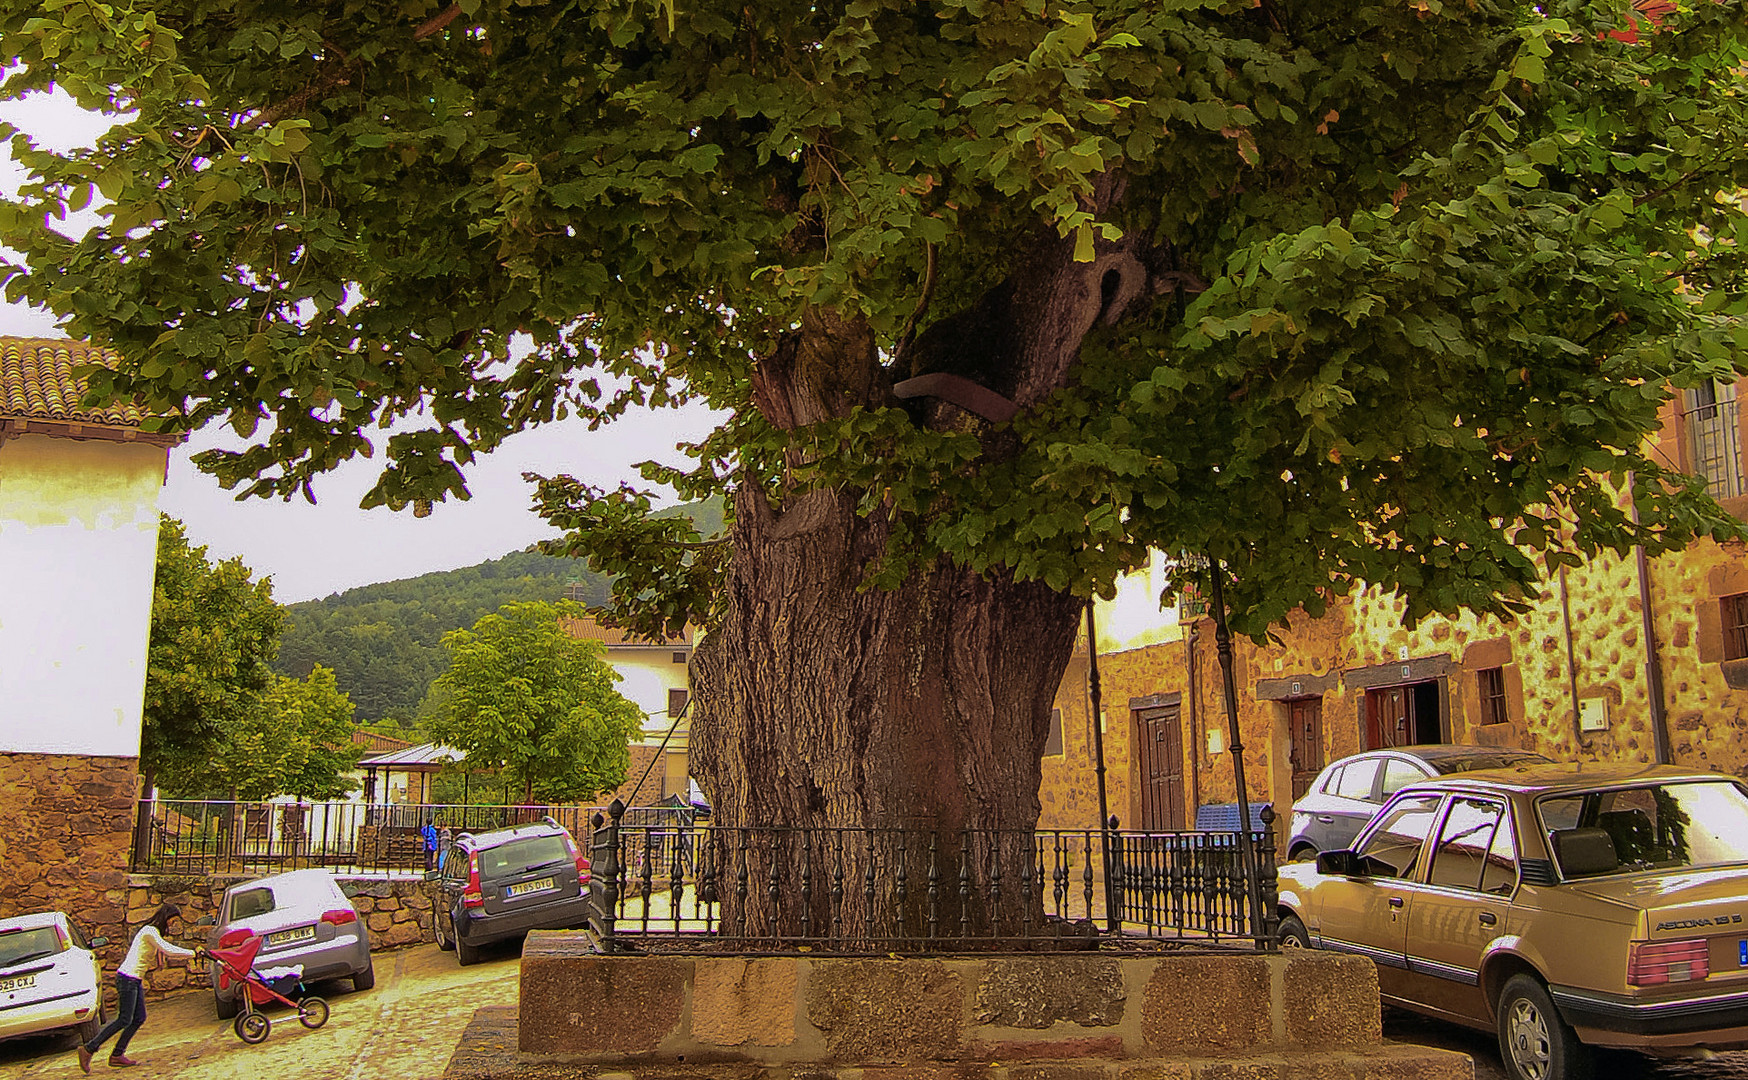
{"points": [[40, 1016], [476, 928], [1616, 1021]]}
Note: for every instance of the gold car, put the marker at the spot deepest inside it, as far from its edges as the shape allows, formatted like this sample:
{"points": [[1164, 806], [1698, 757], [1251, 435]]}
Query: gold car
{"points": [[1562, 906]]}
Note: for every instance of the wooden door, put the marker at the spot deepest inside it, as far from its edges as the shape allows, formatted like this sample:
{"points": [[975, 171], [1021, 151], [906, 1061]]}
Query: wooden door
{"points": [[1389, 713], [1305, 739], [1161, 757]]}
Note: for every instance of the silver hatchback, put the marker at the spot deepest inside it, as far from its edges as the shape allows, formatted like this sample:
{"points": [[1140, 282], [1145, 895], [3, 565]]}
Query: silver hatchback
{"points": [[1348, 792], [303, 919]]}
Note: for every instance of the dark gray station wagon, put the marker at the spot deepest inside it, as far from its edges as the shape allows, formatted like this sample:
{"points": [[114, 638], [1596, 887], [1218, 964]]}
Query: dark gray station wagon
{"points": [[498, 885]]}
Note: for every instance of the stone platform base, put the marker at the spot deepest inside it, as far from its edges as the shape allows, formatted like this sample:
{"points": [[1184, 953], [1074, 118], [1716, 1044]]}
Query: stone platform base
{"points": [[487, 1051]]}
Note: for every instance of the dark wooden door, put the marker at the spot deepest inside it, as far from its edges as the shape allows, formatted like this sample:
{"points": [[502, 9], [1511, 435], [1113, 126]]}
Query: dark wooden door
{"points": [[1305, 728], [1161, 759], [1389, 717]]}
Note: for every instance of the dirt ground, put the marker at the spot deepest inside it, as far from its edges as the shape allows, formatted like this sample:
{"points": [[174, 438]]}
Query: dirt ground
{"points": [[403, 1029]]}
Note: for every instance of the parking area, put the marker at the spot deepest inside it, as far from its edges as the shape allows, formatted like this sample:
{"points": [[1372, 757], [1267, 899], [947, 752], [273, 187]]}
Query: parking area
{"points": [[404, 1029]]}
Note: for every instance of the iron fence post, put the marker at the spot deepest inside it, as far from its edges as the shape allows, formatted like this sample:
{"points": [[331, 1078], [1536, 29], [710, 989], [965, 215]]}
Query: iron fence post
{"points": [[604, 874]]}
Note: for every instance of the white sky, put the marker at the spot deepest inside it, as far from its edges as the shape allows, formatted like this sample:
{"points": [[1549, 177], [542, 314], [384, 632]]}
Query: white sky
{"points": [[312, 551]]}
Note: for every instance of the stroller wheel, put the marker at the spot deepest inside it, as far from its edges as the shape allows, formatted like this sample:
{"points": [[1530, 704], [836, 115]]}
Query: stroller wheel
{"points": [[312, 1012], [253, 1027]]}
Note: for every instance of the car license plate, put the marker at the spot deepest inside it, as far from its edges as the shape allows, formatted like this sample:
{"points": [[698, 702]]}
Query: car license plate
{"points": [[529, 887], [287, 937], [17, 982]]}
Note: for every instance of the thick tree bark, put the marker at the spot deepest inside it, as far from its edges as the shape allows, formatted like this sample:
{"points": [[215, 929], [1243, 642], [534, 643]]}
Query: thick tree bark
{"points": [[820, 704]]}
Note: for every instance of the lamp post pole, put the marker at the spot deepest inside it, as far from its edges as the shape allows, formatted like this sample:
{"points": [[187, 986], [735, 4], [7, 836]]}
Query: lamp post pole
{"points": [[1223, 646], [1098, 729]]}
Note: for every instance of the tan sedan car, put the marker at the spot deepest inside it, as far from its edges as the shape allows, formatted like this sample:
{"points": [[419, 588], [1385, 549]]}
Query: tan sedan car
{"points": [[1562, 906]]}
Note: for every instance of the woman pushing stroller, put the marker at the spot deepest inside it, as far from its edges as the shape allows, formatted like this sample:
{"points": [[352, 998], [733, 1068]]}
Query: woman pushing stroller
{"points": [[148, 951]]}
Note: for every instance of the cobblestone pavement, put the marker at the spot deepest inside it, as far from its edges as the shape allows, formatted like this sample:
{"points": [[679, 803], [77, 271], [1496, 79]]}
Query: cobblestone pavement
{"points": [[404, 1029], [1406, 1027]]}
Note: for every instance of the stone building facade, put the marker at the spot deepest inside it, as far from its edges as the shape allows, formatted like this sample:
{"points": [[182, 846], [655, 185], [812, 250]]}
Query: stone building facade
{"points": [[1575, 678], [78, 545]]}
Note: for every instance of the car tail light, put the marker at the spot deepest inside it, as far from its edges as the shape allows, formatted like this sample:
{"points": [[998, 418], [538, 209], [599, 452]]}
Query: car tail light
{"points": [[582, 861], [233, 938], [1653, 963], [474, 896], [340, 916]]}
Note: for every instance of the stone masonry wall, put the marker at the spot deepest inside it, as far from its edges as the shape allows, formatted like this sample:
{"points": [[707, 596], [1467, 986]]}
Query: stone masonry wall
{"points": [[1304, 1014], [65, 827]]}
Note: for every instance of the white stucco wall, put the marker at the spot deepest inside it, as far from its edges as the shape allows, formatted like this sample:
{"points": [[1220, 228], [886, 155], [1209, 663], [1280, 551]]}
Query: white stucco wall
{"points": [[645, 677], [78, 546]]}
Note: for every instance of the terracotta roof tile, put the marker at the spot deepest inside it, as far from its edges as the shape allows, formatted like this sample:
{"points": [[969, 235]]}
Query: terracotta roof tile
{"points": [[588, 629], [38, 382]]}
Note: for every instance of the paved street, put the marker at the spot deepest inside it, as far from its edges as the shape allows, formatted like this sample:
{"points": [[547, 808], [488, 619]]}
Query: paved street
{"points": [[1406, 1027], [404, 1029]]}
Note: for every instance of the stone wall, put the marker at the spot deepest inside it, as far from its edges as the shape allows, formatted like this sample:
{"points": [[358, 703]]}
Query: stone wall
{"points": [[397, 912], [65, 830], [1581, 644], [947, 1016]]}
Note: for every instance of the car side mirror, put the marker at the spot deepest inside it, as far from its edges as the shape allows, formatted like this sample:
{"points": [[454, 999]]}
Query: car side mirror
{"points": [[99, 941], [1341, 864]]}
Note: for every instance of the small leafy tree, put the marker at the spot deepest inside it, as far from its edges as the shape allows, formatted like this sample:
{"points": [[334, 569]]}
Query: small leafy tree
{"points": [[214, 631], [299, 742], [523, 696]]}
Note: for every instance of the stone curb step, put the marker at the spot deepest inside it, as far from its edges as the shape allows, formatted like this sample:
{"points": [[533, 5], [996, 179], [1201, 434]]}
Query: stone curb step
{"points": [[487, 1051]]}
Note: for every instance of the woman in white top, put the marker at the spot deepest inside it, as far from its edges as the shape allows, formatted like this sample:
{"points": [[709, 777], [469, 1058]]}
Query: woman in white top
{"points": [[148, 950]]}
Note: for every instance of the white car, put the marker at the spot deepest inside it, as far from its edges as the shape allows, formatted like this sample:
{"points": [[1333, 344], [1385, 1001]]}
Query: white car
{"points": [[49, 977], [304, 920]]}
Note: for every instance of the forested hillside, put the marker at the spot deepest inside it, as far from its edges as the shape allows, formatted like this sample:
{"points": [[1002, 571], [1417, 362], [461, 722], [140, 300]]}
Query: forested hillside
{"points": [[384, 641]]}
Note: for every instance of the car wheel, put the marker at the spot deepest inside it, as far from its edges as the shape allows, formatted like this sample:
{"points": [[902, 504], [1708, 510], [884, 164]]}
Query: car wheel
{"points": [[226, 1008], [444, 941], [1292, 934], [467, 954], [365, 979], [1534, 1042], [92, 1026], [1302, 853], [253, 1028]]}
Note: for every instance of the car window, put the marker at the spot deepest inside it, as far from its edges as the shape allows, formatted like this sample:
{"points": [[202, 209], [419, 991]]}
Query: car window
{"points": [[1460, 859], [1332, 781], [1393, 846], [23, 946], [1658, 826], [1356, 779], [528, 853], [251, 902], [1398, 774], [1500, 875]]}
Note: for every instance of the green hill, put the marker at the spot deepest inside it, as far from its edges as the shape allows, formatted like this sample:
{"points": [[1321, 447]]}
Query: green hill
{"points": [[383, 641]]}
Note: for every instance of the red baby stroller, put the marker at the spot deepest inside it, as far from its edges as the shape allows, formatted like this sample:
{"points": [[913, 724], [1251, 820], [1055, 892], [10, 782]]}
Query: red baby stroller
{"points": [[236, 966]]}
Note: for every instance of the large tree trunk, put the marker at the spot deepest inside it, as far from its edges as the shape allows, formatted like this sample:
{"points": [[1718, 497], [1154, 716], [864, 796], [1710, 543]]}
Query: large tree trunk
{"points": [[922, 711]]}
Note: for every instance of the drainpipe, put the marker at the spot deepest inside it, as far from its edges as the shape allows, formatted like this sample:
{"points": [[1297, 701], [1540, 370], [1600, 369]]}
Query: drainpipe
{"points": [[1571, 660], [1195, 743], [1653, 661]]}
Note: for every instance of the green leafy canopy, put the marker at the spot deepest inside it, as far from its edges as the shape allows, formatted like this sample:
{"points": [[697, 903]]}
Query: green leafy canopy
{"points": [[523, 696], [1438, 265]]}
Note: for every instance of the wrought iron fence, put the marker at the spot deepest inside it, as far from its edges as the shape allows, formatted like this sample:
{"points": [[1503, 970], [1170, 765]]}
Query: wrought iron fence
{"points": [[854, 890], [187, 837]]}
